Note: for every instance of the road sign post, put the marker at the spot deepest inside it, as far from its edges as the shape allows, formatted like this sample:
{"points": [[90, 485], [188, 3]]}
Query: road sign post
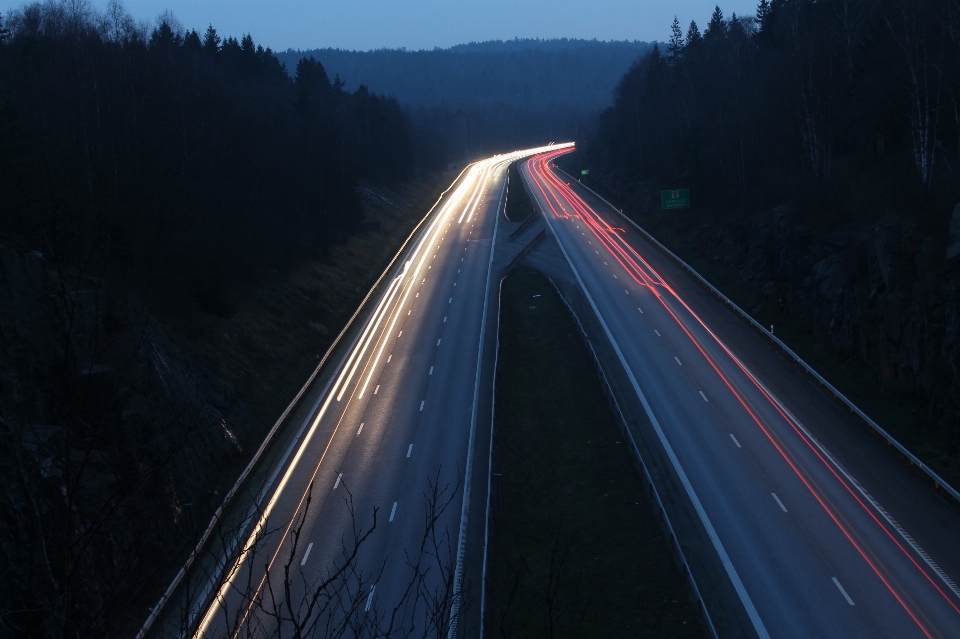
{"points": [[676, 199]]}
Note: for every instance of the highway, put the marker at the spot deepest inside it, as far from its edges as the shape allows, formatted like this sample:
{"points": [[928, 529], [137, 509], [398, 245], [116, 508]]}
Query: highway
{"points": [[817, 529], [397, 423]]}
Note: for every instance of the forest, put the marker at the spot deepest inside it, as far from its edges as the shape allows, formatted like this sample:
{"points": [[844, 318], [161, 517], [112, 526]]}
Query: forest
{"points": [[161, 151], [150, 177], [491, 97], [820, 141]]}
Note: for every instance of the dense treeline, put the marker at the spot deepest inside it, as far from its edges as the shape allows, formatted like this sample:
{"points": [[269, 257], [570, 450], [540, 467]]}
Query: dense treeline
{"points": [[820, 141], [176, 153], [488, 97], [850, 105]]}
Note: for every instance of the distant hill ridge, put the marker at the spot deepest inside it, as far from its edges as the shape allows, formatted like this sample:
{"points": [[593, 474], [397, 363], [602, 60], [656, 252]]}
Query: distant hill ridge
{"points": [[526, 74]]}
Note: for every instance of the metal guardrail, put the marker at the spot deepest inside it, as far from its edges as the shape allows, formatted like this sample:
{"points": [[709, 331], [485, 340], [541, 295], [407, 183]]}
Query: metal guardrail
{"points": [[664, 518], [938, 481], [215, 519]]}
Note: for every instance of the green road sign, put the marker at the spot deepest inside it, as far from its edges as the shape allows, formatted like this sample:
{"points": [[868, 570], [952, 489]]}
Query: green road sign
{"points": [[678, 199], [585, 172]]}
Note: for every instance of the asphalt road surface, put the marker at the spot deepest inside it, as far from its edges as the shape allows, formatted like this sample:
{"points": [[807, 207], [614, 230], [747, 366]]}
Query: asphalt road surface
{"points": [[393, 435], [820, 531]]}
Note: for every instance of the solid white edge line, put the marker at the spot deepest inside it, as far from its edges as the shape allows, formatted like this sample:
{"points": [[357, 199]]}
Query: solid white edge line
{"points": [[944, 577], [467, 483], [691, 493]]}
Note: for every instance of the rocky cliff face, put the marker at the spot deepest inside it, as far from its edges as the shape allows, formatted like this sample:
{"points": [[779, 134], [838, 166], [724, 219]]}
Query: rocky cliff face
{"points": [[886, 296], [110, 445]]}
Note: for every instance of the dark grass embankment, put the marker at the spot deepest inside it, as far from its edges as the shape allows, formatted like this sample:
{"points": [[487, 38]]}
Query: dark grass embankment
{"points": [[576, 549], [518, 205], [905, 416]]}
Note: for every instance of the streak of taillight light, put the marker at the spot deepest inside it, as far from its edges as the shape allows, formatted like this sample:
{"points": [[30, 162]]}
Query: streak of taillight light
{"points": [[602, 231]]}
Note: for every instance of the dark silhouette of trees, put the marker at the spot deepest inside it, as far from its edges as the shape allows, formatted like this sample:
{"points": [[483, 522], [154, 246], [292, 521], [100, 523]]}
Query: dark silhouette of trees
{"points": [[841, 103], [199, 161]]}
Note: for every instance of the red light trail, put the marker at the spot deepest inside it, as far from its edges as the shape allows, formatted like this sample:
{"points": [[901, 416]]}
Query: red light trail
{"points": [[555, 191]]}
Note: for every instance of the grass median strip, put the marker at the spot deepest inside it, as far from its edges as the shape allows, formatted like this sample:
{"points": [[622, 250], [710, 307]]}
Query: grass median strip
{"points": [[576, 549]]}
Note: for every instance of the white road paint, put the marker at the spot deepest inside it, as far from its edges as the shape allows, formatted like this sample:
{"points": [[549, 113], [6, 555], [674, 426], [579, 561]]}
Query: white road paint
{"points": [[337, 483], [735, 441], [393, 511], [704, 397], [451, 301], [373, 589], [306, 554], [626, 291], [389, 358], [679, 363], [360, 430], [842, 591], [444, 319], [377, 389], [657, 332], [421, 404], [725, 560], [438, 342], [431, 371], [640, 309], [779, 503], [401, 332], [409, 450]]}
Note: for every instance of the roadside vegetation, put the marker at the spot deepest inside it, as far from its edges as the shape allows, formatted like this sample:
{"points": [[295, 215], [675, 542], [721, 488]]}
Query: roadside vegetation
{"points": [[576, 549], [820, 142], [518, 206], [184, 230]]}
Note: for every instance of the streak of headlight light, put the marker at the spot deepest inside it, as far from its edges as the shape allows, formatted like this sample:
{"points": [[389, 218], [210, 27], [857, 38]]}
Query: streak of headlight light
{"points": [[434, 232], [251, 539]]}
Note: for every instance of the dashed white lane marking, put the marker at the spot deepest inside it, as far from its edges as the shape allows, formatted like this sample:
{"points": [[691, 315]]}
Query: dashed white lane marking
{"points": [[444, 319], [393, 511], [431, 371], [454, 284], [605, 264], [421, 404], [409, 450], [615, 276], [657, 332], [376, 389], [779, 503], [735, 441], [704, 397], [417, 295], [306, 554], [458, 270], [429, 267], [626, 291], [389, 357], [451, 301], [400, 333], [640, 309], [438, 342], [597, 252], [370, 598], [337, 483], [678, 361], [842, 591]]}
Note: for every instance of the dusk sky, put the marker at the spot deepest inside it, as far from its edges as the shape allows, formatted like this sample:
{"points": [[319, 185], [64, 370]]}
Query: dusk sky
{"points": [[419, 24]]}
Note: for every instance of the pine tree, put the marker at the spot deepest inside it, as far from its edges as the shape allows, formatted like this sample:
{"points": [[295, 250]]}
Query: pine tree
{"points": [[211, 41], [693, 35], [717, 27], [675, 47], [763, 10], [3, 30]]}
